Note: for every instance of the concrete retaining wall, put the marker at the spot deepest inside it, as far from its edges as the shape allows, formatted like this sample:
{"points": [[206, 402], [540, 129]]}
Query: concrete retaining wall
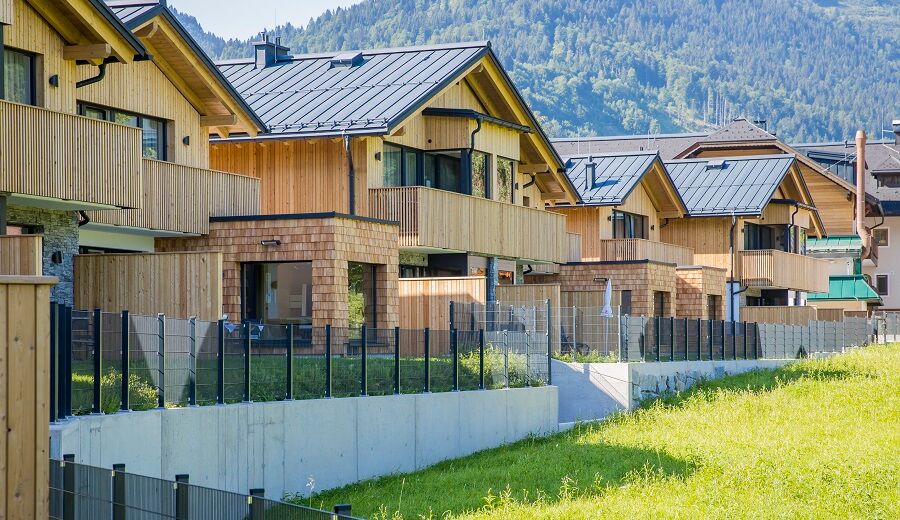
{"points": [[594, 390], [299, 446]]}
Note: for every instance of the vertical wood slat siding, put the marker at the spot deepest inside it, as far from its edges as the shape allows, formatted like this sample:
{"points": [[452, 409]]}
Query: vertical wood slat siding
{"points": [[6, 11], [182, 198], [64, 156], [24, 396], [180, 285], [796, 315], [425, 302], [21, 255], [772, 268], [445, 220], [624, 249]]}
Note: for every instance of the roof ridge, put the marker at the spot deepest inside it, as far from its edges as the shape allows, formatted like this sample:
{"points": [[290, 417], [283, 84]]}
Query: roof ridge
{"points": [[370, 52], [610, 154], [626, 137], [733, 158]]}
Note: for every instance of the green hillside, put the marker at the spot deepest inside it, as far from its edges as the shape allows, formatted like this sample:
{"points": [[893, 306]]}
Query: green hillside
{"points": [[814, 70]]}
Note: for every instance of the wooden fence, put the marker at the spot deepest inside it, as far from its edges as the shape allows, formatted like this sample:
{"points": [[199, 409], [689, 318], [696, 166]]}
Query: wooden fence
{"points": [[21, 255], [425, 302], [24, 396], [782, 315], [179, 285]]}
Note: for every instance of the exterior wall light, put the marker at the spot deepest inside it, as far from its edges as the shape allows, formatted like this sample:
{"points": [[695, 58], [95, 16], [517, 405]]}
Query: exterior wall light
{"points": [[273, 242]]}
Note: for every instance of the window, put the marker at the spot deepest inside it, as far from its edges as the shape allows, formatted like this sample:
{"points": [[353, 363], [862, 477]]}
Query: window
{"points": [[712, 307], [153, 140], [881, 284], [277, 292], [361, 295], [629, 225], [660, 303], [481, 178], [506, 174], [19, 77], [393, 166], [758, 237], [442, 170], [889, 180], [625, 301], [881, 236]]}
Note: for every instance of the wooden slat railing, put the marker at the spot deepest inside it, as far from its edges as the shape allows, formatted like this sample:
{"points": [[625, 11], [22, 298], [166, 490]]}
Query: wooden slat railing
{"points": [[21, 255], [626, 249], [182, 198], [778, 269], [50, 154], [431, 218]]}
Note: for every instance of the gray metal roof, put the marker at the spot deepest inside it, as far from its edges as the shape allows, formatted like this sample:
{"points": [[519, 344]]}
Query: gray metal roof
{"points": [[608, 179], [742, 186], [129, 10], [668, 145], [308, 96]]}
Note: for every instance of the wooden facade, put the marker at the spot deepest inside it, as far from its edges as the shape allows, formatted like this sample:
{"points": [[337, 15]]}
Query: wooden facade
{"points": [[782, 315], [24, 396], [432, 219], [425, 302], [772, 268], [700, 292], [6, 11], [21, 255], [179, 285], [623, 249]]}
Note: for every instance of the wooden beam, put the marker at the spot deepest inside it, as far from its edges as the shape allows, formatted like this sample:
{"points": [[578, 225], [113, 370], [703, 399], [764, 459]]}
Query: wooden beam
{"points": [[96, 52], [534, 168], [556, 195], [223, 132], [400, 132], [224, 120], [147, 31]]}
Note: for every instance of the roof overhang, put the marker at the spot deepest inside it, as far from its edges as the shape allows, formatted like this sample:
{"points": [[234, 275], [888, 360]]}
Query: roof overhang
{"points": [[92, 31]]}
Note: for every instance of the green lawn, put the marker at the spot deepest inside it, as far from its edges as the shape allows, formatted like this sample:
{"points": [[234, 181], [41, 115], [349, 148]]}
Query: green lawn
{"points": [[817, 439]]}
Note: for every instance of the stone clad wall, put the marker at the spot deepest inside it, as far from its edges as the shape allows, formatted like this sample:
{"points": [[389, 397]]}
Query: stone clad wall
{"points": [[60, 233], [328, 242], [695, 284]]}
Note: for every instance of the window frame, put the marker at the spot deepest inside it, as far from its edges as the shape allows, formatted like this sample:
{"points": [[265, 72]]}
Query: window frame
{"points": [[109, 115], [887, 284], [631, 218], [887, 237], [33, 64], [512, 178]]}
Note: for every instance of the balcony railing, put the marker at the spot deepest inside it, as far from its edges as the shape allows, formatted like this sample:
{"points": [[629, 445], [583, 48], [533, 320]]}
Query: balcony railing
{"points": [[21, 255], [781, 270], [6, 11], [437, 219], [77, 159], [625, 249], [179, 198]]}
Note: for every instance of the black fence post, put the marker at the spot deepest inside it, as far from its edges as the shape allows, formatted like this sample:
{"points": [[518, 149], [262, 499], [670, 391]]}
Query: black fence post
{"points": [[118, 486], [733, 340], [686, 341], [342, 510], [125, 405], [327, 361], [54, 349], [454, 346], [481, 359], [699, 339], [671, 338], [220, 362], [67, 356], [98, 369], [709, 326], [364, 358], [427, 361], [192, 364], [248, 338], [397, 360], [745, 339], [549, 346], [452, 316], [161, 358], [289, 380], [257, 507], [658, 334], [68, 498], [182, 497]]}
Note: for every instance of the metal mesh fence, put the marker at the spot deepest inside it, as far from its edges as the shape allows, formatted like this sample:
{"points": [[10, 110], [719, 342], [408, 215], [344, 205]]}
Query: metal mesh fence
{"points": [[308, 362], [83, 360], [144, 361]]}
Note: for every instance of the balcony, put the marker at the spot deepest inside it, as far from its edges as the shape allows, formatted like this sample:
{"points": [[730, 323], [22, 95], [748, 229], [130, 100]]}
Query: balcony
{"points": [[21, 255], [780, 270], [80, 162], [436, 221], [180, 199], [626, 249]]}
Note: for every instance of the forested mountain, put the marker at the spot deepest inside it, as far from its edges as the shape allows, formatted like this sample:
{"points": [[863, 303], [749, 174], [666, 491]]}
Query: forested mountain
{"points": [[814, 70]]}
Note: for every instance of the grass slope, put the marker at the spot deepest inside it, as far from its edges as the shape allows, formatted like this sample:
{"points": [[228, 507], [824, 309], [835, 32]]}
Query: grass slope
{"points": [[817, 439]]}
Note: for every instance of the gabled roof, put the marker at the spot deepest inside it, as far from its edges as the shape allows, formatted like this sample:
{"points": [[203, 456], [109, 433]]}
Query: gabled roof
{"points": [[667, 145], [608, 180], [852, 287], [741, 186], [309, 96], [186, 64], [739, 130]]}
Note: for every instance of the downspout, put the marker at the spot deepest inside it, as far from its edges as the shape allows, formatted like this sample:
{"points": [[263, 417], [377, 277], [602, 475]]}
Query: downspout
{"points": [[731, 292], [101, 73], [467, 178], [83, 218], [351, 174], [531, 182], [793, 227]]}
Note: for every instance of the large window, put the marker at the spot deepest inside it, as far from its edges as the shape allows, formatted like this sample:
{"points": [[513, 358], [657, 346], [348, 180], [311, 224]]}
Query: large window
{"points": [[19, 77], [153, 140], [451, 170], [481, 176], [443, 170], [758, 237], [506, 174], [401, 166], [629, 225], [277, 292]]}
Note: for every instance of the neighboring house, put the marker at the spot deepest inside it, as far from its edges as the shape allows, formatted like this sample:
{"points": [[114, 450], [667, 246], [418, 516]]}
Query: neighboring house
{"points": [[849, 289], [435, 139]]}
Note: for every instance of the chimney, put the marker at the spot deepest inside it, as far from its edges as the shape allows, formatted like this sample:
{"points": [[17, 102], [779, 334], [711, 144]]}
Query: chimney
{"points": [[895, 124], [266, 52], [861, 191]]}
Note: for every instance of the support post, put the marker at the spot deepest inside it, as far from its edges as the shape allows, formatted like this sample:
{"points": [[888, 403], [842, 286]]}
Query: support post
{"points": [[549, 346], [481, 359], [125, 404], [67, 356], [427, 361], [220, 362], [192, 363], [699, 339], [671, 338], [327, 361], [120, 506], [248, 329], [723, 339], [452, 316], [686, 341], [54, 352], [454, 347], [68, 498], [289, 379], [98, 360], [744, 328], [709, 326], [182, 497], [658, 334], [161, 358], [363, 365], [397, 360], [257, 507]]}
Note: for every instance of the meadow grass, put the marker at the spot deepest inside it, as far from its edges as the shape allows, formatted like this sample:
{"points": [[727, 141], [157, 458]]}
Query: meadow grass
{"points": [[815, 439]]}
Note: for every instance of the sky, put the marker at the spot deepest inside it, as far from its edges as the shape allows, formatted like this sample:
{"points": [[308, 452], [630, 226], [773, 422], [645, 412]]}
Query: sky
{"points": [[243, 18]]}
